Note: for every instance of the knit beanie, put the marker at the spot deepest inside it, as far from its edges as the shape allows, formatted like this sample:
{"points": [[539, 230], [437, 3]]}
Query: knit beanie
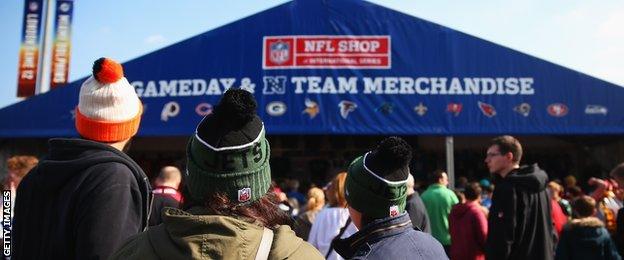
{"points": [[376, 184], [229, 152], [109, 109]]}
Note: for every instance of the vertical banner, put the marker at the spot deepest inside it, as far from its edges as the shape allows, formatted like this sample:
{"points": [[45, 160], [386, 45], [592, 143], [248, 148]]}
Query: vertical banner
{"points": [[61, 45], [29, 48]]}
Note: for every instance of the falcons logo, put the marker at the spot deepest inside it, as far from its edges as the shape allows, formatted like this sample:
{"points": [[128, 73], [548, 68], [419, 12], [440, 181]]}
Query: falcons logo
{"points": [[346, 107], [487, 109]]}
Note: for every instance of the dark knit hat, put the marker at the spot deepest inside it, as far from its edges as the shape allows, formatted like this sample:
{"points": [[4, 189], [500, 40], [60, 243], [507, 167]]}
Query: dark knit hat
{"points": [[229, 152], [376, 182]]}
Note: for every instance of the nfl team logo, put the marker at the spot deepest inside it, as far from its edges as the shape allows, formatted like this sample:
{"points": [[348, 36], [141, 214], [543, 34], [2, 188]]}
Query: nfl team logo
{"points": [[244, 194], [557, 110], [279, 52], [394, 211], [487, 109]]}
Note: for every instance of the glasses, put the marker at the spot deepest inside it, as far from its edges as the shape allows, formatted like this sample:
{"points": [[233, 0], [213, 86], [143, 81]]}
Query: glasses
{"points": [[489, 155]]}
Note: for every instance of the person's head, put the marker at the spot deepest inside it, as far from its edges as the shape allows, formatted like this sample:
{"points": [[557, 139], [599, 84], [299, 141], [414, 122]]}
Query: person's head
{"points": [[584, 206], [574, 192], [618, 174], [376, 185], [472, 192], [569, 181], [316, 199], [335, 191], [462, 181], [18, 167], [410, 185], [503, 155], [228, 163], [109, 110], [439, 177], [555, 190], [169, 176]]}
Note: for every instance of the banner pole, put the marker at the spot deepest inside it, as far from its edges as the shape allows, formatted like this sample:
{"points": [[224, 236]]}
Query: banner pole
{"points": [[450, 162], [43, 74]]}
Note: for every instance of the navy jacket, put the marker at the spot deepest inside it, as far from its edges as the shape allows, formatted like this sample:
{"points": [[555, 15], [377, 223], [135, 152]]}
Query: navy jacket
{"points": [[586, 238], [82, 202], [390, 238]]}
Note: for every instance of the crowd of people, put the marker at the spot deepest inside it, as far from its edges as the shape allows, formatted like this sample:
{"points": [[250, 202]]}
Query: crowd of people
{"points": [[88, 200]]}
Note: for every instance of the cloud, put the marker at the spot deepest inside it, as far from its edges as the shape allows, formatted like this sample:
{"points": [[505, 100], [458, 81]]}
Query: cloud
{"points": [[155, 39], [105, 30]]}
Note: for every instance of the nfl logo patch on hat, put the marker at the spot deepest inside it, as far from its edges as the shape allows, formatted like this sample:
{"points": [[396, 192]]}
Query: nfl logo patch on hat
{"points": [[394, 211], [244, 194]]}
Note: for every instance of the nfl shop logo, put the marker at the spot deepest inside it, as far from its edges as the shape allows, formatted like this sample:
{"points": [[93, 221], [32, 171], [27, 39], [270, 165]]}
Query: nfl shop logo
{"points": [[279, 52], [394, 211], [244, 194]]}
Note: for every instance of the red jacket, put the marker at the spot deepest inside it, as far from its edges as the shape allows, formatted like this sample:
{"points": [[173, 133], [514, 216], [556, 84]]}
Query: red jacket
{"points": [[468, 227], [558, 217]]}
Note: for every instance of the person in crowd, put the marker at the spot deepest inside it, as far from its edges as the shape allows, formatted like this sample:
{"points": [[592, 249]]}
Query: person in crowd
{"points": [[617, 173], [468, 226], [556, 192], [557, 213], [165, 193], [316, 202], [488, 191], [573, 193], [607, 203], [439, 200], [569, 182], [585, 237], [415, 208], [293, 191], [462, 181], [330, 221], [519, 223], [87, 196], [229, 210], [17, 166], [376, 191]]}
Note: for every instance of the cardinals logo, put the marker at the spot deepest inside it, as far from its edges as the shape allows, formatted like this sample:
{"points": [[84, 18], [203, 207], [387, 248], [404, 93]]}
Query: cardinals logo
{"points": [[487, 109], [454, 108], [312, 109], [557, 110], [346, 107], [524, 109]]}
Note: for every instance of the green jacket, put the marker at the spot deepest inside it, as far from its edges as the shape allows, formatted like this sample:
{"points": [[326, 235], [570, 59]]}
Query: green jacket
{"points": [[439, 200], [186, 236]]}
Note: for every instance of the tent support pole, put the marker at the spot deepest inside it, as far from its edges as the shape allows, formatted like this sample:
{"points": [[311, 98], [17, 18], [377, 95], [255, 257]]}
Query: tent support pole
{"points": [[450, 159]]}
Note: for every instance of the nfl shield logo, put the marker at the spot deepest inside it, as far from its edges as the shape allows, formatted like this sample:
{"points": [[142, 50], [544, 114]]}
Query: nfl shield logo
{"points": [[244, 194], [394, 211], [279, 52]]}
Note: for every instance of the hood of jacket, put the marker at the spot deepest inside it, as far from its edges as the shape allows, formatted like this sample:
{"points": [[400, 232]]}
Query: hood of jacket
{"points": [[186, 235], [529, 177], [460, 209], [589, 230]]}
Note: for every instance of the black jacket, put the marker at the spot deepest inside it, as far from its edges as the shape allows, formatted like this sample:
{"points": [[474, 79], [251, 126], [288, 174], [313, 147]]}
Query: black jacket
{"points": [[586, 238], [82, 202], [418, 213], [519, 223], [390, 238]]}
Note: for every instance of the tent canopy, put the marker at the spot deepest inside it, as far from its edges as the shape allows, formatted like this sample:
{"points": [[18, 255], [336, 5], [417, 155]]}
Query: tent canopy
{"points": [[347, 67]]}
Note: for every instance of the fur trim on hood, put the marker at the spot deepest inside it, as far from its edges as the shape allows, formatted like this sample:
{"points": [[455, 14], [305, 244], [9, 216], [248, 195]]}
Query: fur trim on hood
{"points": [[587, 222]]}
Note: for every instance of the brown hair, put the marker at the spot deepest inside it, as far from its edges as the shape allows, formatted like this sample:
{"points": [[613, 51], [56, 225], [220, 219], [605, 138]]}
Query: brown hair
{"points": [[316, 199], [21, 164], [584, 206], [264, 211], [335, 191], [472, 191], [508, 144]]}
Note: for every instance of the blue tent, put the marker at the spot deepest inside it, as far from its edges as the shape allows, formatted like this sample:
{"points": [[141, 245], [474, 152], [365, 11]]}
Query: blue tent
{"points": [[347, 67]]}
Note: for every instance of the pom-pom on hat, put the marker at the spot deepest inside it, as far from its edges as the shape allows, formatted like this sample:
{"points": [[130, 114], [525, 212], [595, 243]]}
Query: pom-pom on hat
{"points": [[109, 109], [229, 152], [376, 182]]}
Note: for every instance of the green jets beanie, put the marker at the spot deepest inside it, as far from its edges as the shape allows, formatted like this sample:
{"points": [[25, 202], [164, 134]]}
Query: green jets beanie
{"points": [[376, 184], [229, 152]]}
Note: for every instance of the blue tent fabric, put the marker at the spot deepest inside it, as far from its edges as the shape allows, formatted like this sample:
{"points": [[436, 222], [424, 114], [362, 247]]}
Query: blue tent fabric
{"points": [[347, 67]]}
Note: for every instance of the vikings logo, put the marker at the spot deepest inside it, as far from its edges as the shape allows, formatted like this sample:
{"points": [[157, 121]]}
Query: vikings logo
{"points": [[487, 109], [312, 109], [346, 107], [279, 52], [524, 109]]}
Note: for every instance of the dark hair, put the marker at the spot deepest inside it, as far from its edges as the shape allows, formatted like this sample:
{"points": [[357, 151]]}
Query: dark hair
{"points": [[508, 144], [584, 206], [436, 175], [618, 171], [472, 191], [575, 191], [264, 211]]}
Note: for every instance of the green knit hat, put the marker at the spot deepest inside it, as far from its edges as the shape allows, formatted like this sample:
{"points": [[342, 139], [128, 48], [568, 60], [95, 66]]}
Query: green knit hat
{"points": [[229, 152], [376, 182]]}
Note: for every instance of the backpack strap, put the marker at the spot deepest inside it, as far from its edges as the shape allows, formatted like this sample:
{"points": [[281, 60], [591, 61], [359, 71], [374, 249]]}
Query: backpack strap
{"points": [[265, 245]]}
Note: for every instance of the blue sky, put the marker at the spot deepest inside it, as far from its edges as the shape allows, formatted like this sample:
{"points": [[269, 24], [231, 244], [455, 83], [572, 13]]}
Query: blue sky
{"points": [[583, 35]]}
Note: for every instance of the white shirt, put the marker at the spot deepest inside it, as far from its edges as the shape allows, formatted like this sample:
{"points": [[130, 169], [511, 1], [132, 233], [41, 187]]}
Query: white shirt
{"points": [[326, 226]]}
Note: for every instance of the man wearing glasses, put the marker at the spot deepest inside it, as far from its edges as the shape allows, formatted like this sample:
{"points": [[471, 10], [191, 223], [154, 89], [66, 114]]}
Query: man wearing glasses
{"points": [[519, 223]]}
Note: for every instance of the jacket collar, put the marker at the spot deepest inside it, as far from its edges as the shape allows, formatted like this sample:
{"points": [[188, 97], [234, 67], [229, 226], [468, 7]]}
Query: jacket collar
{"points": [[372, 232]]}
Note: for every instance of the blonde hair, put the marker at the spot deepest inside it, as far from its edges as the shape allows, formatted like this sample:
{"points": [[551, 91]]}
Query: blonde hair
{"points": [[335, 192], [21, 164], [316, 199]]}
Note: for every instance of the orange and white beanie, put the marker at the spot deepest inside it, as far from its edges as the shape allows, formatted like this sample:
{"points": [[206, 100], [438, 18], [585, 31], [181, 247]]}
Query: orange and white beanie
{"points": [[109, 109]]}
